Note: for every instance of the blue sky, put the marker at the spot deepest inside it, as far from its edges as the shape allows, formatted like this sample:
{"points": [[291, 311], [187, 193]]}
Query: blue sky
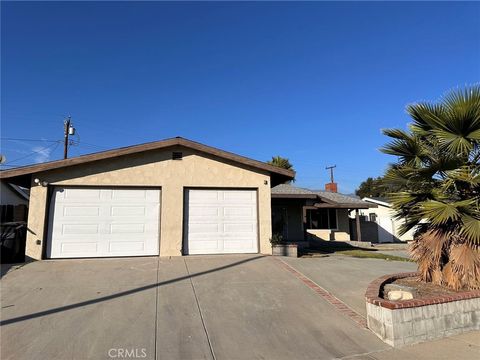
{"points": [[314, 82]]}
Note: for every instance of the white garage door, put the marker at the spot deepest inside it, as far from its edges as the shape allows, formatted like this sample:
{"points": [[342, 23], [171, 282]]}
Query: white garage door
{"points": [[221, 221], [103, 222]]}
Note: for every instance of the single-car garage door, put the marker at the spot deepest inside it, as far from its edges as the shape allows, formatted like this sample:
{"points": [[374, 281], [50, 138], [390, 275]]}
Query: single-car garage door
{"points": [[221, 221], [103, 222]]}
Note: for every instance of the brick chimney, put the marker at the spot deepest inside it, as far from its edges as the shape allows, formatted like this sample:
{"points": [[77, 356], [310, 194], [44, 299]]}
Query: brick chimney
{"points": [[332, 187]]}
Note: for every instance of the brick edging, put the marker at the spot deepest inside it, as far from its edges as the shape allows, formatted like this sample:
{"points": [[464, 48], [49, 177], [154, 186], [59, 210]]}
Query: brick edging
{"points": [[372, 295], [330, 298]]}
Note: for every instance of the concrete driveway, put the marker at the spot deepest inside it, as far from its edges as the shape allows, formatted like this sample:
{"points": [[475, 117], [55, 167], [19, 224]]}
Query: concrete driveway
{"points": [[205, 307], [348, 277]]}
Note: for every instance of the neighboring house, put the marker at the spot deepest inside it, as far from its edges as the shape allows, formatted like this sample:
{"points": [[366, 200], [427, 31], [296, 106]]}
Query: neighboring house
{"points": [[300, 214], [385, 224], [167, 198], [14, 203], [11, 194]]}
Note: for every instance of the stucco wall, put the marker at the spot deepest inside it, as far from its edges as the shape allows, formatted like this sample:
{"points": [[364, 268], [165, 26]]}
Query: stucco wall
{"points": [[385, 216], [155, 168], [342, 233]]}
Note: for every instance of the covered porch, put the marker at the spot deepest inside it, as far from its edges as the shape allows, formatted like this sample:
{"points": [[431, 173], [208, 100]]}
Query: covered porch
{"points": [[300, 214]]}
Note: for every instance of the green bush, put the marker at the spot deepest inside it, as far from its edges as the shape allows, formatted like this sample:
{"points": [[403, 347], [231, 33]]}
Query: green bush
{"points": [[276, 239]]}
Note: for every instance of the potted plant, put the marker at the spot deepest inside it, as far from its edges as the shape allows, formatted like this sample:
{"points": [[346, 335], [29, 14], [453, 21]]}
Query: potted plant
{"points": [[282, 248]]}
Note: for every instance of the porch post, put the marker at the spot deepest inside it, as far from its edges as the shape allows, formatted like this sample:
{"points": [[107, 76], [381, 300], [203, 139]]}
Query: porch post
{"points": [[357, 222]]}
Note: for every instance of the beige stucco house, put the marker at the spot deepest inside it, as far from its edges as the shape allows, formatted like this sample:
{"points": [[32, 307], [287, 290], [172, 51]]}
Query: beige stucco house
{"points": [[302, 214], [166, 198]]}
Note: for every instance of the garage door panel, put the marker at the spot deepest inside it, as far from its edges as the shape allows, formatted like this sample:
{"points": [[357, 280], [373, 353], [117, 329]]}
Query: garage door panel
{"points": [[221, 221], [202, 228], [78, 194], [119, 194], [245, 244], [76, 247], [126, 228], [240, 196], [123, 246], [239, 228], [248, 212], [127, 211], [81, 211], [201, 196], [199, 211], [116, 221], [79, 229]]}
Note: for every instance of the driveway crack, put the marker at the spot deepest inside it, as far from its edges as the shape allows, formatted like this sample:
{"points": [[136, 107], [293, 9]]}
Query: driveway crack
{"points": [[200, 311]]}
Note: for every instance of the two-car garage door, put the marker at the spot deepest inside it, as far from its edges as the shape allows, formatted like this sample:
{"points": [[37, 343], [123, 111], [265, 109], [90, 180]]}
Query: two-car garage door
{"points": [[103, 222], [110, 222]]}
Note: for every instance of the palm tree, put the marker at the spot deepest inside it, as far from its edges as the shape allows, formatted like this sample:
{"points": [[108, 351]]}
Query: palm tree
{"points": [[281, 162], [435, 186]]}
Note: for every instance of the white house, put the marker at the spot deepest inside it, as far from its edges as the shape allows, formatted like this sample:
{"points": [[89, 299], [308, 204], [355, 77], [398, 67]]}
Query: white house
{"points": [[388, 227]]}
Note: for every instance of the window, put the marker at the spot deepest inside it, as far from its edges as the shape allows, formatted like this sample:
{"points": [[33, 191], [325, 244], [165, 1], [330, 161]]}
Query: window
{"points": [[373, 217], [321, 219]]}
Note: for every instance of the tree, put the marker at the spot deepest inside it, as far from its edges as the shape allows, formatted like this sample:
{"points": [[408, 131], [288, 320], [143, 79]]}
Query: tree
{"points": [[438, 174], [372, 187], [281, 162]]}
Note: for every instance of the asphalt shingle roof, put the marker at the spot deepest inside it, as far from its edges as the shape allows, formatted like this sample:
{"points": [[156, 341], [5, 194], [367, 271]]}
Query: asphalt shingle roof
{"points": [[340, 199], [287, 189]]}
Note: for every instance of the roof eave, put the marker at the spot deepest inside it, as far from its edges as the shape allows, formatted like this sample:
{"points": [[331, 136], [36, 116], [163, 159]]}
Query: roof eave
{"points": [[294, 196], [379, 202], [281, 174], [344, 206]]}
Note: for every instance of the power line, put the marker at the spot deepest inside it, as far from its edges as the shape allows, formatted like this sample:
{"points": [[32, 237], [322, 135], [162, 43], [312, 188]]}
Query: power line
{"points": [[15, 139], [82, 143], [39, 151]]}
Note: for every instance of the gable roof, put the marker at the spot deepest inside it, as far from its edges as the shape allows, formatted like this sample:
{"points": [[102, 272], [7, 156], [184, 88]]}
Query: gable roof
{"points": [[329, 199], [156, 145]]}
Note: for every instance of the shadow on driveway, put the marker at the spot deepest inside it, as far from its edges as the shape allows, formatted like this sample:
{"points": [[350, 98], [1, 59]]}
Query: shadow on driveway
{"points": [[123, 293]]}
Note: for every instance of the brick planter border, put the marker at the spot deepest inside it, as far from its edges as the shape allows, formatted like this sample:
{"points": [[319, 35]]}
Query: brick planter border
{"points": [[406, 322], [372, 294]]}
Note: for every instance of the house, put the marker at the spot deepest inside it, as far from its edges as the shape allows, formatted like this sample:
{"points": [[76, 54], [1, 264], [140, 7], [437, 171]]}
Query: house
{"points": [[14, 203], [300, 214], [382, 220], [168, 198], [11, 194]]}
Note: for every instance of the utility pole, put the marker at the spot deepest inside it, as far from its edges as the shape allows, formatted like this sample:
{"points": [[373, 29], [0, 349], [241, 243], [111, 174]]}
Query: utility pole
{"points": [[331, 172], [68, 129]]}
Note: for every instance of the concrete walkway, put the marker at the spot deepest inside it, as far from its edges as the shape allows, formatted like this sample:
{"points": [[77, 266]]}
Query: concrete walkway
{"points": [[205, 307]]}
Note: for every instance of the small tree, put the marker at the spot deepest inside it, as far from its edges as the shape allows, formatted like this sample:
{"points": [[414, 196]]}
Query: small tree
{"points": [[438, 174]]}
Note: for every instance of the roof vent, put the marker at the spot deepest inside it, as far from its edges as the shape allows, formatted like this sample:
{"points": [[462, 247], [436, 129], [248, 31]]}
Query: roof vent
{"points": [[177, 155]]}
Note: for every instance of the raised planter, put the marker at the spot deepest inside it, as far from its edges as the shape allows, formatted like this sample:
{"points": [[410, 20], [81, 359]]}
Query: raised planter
{"points": [[407, 322], [285, 250]]}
